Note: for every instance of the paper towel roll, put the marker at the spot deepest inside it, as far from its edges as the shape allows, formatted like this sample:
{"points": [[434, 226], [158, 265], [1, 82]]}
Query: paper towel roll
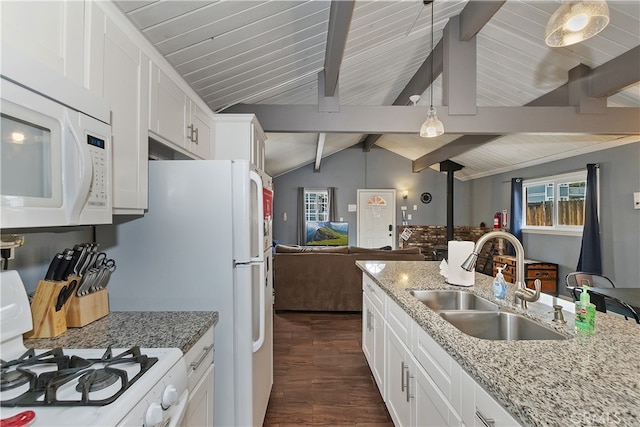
{"points": [[458, 253]]}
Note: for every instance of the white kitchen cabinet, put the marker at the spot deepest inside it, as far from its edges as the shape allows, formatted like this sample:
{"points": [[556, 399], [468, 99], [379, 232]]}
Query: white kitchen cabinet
{"points": [[239, 136], [420, 382], [413, 398], [399, 367], [431, 407], [176, 118], [439, 366], [367, 330], [480, 409], [200, 363], [168, 108], [51, 32], [373, 333], [118, 70], [201, 132], [373, 341]]}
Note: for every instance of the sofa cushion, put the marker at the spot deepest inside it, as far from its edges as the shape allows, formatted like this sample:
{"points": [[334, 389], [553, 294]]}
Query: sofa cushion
{"points": [[310, 249], [359, 250]]}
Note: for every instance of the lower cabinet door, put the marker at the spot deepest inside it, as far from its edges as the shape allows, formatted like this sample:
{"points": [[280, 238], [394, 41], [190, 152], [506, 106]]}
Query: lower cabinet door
{"points": [[432, 408], [378, 348], [200, 407], [397, 393], [367, 330]]}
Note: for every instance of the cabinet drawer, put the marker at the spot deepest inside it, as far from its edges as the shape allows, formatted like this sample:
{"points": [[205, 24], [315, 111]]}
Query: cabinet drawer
{"points": [[545, 285], [435, 361], [199, 358], [400, 322], [541, 274], [374, 293]]}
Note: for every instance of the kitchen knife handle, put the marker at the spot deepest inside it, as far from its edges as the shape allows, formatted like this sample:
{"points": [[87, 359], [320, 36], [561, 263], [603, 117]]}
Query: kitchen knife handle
{"points": [[61, 271], [55, 262]]}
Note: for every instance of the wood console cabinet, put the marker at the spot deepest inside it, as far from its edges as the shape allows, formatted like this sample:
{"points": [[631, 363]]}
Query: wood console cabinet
{"points": [[545, 271]]}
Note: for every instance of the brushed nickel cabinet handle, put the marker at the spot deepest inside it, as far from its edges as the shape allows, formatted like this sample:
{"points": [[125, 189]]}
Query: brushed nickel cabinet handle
{"points": [[205, 351], [487, 422]]}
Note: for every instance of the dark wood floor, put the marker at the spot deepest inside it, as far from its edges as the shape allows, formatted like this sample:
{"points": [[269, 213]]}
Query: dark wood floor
{"points": [[320, 374]]}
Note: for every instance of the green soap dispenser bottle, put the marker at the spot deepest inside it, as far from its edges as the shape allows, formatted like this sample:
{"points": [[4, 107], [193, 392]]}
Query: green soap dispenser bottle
{"points": [[585, 314]]}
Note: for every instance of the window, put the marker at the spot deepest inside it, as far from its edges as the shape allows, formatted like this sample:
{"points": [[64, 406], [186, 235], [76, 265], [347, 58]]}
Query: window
{"points": [[316, 205], [554, 203]]}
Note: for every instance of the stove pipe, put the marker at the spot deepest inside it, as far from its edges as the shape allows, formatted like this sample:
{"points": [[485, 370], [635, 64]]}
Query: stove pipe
{"points": [[450, 167]]}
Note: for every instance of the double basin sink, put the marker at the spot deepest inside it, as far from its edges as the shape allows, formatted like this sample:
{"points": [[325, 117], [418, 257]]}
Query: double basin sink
{"points": [[481, 318]]}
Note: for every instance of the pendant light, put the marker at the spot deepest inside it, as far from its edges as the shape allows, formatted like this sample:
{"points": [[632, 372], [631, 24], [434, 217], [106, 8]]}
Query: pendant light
{"points": [[576, 21], [432, 126]]}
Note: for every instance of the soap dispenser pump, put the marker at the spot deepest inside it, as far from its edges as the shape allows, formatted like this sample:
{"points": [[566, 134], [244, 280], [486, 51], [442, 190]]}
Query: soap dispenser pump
{"points": [[585, 314]]}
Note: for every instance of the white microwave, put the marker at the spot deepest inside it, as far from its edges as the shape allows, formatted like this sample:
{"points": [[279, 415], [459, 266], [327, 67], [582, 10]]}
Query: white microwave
{"points": [[55, 162]]}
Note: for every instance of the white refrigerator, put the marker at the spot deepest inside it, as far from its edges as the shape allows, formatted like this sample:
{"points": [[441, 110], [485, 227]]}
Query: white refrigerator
{"points": [[205, 244]]}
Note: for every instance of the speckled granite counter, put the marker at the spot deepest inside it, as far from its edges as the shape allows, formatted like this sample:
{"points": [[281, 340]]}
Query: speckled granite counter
{"points": [[124, 329], [586, 381]]}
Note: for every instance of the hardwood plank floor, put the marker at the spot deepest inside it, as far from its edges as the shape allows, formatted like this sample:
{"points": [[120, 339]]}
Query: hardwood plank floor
{"points": [[320, 375]]}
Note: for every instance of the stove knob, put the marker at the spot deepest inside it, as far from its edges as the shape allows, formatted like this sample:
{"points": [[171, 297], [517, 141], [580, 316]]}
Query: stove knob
{"points": [[169, 396], [153, 415]]}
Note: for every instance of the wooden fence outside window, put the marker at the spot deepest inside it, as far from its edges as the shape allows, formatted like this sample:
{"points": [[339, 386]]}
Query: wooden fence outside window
{"points": [[570, 212]]}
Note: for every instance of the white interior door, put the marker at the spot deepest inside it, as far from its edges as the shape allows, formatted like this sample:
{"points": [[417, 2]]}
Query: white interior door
{"points": [[376, 218]]}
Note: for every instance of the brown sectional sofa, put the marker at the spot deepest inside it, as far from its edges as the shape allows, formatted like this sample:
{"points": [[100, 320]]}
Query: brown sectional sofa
{"points": [[310, 278]]}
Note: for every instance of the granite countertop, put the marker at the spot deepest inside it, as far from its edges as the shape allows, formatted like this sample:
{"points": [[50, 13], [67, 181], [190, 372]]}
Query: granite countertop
{"points": [[124, 329], [584, 380]]}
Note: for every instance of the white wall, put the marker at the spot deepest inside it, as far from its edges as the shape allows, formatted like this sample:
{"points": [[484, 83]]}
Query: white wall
{"points": [[353, 169], [619, 222], [478, 200]]}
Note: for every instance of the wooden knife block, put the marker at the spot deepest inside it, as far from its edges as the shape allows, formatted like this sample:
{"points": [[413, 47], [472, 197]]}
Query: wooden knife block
{"points": [[47, 322], [81, 311]]}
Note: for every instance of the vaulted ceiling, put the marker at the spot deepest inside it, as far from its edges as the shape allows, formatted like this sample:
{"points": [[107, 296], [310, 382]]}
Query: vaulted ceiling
{"points": [[346, 68]]}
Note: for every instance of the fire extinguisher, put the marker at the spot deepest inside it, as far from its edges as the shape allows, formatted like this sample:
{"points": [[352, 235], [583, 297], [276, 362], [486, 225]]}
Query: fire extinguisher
{"points": [[497, 219]]}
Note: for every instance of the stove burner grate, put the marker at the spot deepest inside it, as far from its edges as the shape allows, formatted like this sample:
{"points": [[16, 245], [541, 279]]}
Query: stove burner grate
{"points": [[12, 379], [96, 380], [70, 368]]}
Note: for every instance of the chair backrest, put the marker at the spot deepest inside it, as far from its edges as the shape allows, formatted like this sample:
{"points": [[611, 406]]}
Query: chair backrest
{"points": [[579, 278]]}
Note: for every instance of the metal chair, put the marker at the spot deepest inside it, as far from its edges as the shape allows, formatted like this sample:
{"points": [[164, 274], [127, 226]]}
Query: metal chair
{"points": [[577, 279]]}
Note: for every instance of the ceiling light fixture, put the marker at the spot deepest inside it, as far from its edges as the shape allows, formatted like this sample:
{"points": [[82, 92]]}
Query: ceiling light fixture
{"points": [[432, 126], [576, 21]]}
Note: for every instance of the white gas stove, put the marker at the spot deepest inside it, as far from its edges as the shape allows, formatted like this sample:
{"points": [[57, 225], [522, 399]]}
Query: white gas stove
{"points": [[83, 387]]}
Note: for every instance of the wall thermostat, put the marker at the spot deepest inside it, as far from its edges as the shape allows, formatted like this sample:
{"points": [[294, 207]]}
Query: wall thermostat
{"points": [[425, 197]]}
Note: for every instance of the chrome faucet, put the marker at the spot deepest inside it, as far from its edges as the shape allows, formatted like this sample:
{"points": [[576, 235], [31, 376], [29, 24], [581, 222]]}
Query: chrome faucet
{"points": [[522, 294]]}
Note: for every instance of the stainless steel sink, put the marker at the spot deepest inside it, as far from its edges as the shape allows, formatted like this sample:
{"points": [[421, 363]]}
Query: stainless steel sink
{"points": [[499, 325], [453, 300]]}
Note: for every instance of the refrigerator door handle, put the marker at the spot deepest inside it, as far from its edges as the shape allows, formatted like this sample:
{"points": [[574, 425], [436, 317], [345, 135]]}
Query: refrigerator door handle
{"points": [[253, 175], [257, 344]]}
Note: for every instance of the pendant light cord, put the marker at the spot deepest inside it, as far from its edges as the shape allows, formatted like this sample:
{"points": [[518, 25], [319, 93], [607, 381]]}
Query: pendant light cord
{"points": [[432, 79]]}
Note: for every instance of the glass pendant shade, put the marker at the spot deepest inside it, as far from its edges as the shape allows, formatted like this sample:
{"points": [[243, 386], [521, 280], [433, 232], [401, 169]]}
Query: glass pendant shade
{"points": [[432, 126], [576, 21]]}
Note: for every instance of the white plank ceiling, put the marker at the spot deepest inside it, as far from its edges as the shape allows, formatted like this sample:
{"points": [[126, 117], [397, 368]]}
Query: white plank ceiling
{"points": [[270, 52]]}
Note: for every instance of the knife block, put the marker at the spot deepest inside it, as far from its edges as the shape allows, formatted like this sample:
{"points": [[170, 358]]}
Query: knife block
{"points": [[85, 309], [47, 322]]}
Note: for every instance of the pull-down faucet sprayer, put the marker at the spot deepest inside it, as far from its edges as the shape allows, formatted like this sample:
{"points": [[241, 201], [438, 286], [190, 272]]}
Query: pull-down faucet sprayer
{"points": [[522, 294]]}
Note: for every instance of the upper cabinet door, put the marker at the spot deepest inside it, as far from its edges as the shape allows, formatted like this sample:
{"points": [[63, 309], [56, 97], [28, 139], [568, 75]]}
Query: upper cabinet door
{"points": [[239, 136], [169, 108], [200, 132], [36, 30], [118, 70]]}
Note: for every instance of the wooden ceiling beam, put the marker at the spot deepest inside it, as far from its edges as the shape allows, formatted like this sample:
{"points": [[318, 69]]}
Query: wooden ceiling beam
{"points": [[452, 149], [339, 21], [615, 75], [319, 149], [408, 119], [473, 17]]}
